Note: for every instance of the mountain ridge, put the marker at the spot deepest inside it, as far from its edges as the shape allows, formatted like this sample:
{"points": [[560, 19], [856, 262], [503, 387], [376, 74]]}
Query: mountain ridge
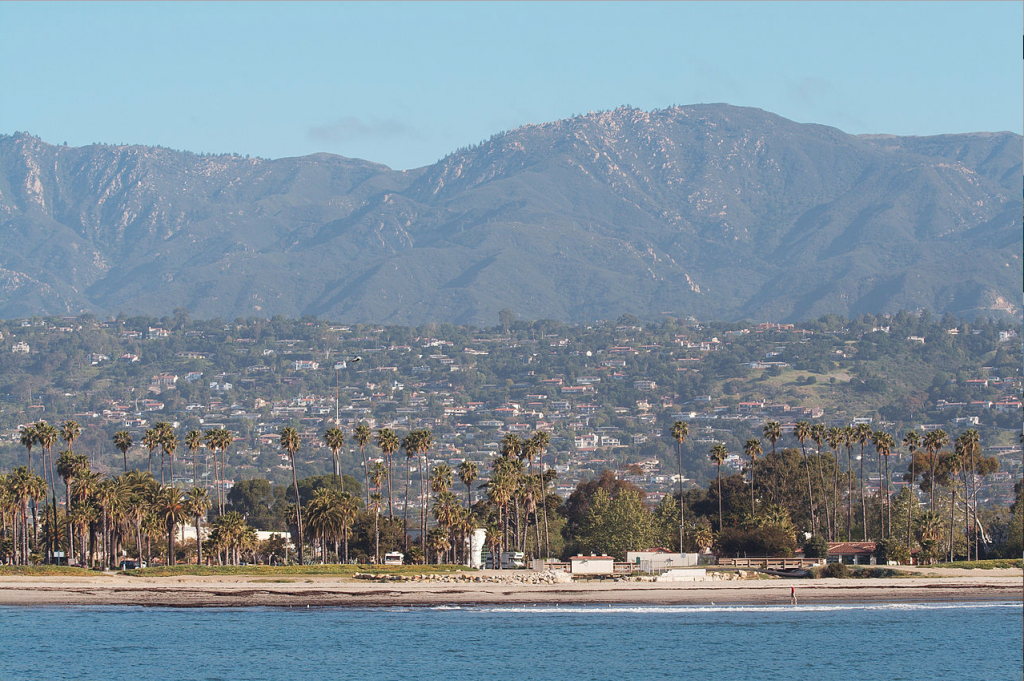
{"points": [[709, 210]]}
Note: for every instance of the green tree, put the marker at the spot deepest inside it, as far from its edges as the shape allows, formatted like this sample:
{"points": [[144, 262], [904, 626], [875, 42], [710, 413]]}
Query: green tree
{"points": [[170, 505], [334, 438], [772, 432], [123, 442], [718, 455], [388, 443], [680, 430], [290, 444], [752, 449], [362, 437], [197, 504]]}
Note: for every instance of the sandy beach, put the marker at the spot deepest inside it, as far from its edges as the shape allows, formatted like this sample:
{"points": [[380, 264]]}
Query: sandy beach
{"points": [[317, 591]]}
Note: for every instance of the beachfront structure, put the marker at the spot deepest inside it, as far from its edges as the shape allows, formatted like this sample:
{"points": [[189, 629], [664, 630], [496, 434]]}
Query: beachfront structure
{"points": [[592, 565], [852, 552], [658, 559]]}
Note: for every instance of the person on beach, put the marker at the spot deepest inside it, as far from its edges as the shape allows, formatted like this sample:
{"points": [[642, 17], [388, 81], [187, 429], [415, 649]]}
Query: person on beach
{"points": [[792, 595]]}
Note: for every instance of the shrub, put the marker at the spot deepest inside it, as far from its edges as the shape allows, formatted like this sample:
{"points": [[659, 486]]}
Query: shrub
{"points": [[890, 549], [758, 541], [839, 570], [816, 547]]}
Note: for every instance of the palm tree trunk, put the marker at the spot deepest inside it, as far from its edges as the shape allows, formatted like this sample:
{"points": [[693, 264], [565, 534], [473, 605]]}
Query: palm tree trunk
{"points": [[405, 511], [912, 502], [424, 502], [391, 510], [952, 510], [67, 513], [863, 501], [849, 495], [682, 518], [376, 538], [298, 508], [719, 498], [751, 490], [810, 492], [547, 532], [366, 477], [199, 542]]}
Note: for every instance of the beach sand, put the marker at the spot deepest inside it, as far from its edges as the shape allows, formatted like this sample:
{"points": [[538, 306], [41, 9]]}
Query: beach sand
{"points": [[317, 591]]}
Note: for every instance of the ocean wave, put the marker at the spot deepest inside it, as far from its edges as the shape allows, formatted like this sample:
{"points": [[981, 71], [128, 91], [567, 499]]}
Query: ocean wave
{"points": [[712, 608]]}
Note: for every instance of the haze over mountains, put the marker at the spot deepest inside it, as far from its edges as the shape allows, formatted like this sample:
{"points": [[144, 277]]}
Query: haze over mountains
{"points": [[712, 210]]}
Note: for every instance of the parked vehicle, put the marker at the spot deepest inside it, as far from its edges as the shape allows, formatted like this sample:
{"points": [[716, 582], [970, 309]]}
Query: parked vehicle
{"points": [[510, 560], [131, 565], [394, 558]]}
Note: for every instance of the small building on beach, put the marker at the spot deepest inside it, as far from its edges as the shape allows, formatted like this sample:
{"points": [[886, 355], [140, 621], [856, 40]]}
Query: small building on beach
{"points": [[592, 565], [852, 552]]}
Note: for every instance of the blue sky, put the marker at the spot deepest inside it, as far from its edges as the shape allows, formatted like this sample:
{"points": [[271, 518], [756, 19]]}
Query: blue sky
{"points": [[405, 83]]}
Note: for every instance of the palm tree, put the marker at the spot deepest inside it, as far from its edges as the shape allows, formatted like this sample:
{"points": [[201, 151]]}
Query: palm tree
{"points": [[69, 466], [679, 432], [772, 432], [425, 442], [410, 445], [28, 440], [69, 432], [123, 442], [912, 441], [29, 437], [106, 496], [334, 438], [323, 520], [194, 442], [861, 434], [883, 446], [379, 476], [971, 445], [362, 437], [818, 436], [151, 440], [84, 511], [752, 450], [542, 440], [468, 474], [834, 436], [934, 441], [46, 437], [138, 489], [802, 431], [949, 467], [848, 438], [347, 507], [290, 443], [718, 455], [197, 504], [388, 443], [218, 440], [169, 445], [171, 506], [25, 486]]}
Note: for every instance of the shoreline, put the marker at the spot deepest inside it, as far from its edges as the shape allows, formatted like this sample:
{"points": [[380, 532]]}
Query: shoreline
{"points": [[329, 591]]}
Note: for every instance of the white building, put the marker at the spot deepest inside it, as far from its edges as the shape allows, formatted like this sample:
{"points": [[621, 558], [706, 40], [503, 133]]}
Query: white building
{"points": [[592, 565]]}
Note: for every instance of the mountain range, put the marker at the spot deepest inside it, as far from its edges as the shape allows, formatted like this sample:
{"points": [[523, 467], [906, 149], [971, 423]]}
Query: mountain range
{"points": [[713, 211]]}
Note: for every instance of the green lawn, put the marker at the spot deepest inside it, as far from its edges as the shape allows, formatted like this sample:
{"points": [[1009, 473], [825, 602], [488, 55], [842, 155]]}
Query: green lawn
{"points": [[983, 564], [281, 570], [42, 570]]}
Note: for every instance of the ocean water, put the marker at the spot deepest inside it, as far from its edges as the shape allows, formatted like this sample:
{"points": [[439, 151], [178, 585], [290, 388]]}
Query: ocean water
{"points": [[962, 641]]}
